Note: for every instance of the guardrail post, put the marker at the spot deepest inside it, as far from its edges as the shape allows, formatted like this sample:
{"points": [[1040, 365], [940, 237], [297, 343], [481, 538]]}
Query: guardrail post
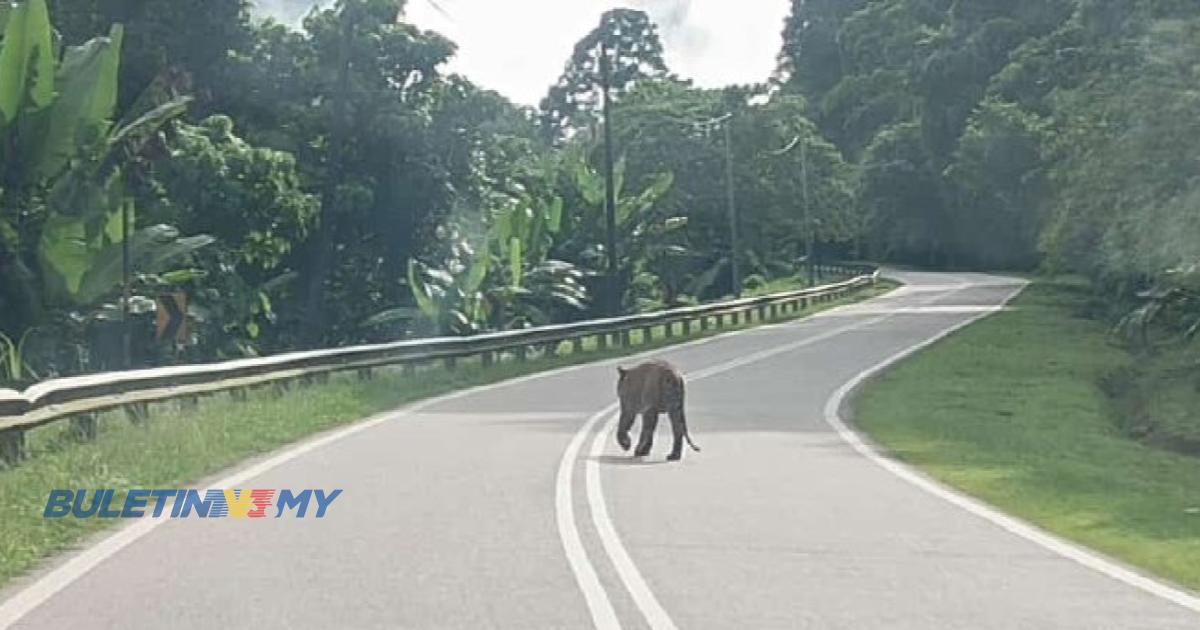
{"points": [[85, 426], [577, 345], [522, 353], [451, 363], [188, 403], [365, 374], [762, 314], [647, 335], [12, 446], [281, 387], [138, 412], [487, 358], [704, 324], [602, 341]]}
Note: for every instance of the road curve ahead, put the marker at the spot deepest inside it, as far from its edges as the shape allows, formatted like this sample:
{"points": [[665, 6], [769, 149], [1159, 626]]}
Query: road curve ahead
{"points": [[511, 507]]}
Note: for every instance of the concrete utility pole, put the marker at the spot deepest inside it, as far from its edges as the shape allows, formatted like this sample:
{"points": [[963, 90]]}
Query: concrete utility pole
{"points": [[806, 215], [808, 225], [126, 289], [610, 193], [734, 247]]}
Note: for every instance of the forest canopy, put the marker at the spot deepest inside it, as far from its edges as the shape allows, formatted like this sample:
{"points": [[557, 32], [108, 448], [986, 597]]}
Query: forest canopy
{"points": [[332, 183]]}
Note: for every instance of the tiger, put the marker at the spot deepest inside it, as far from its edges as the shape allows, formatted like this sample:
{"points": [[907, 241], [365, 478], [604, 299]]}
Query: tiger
{"points": [[649, 389]]}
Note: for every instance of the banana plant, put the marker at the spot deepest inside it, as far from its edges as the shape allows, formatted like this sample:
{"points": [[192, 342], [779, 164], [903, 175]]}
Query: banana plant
{"points": [[523, 229], [1171, 308], [13, 365], [505, 282], [64, 159], [631, 207], [651, 248], [450, 298]]}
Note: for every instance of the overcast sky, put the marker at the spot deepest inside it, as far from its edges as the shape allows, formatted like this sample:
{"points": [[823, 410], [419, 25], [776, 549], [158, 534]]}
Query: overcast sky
{"points": [[519, 47]]}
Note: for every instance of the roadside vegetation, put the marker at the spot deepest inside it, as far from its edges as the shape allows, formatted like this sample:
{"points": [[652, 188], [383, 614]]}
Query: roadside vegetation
{"points": [[1036, 411]]}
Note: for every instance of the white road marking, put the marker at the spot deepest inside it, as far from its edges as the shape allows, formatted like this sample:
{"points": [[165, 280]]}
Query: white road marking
{"points": [[643, 597], [75, 567], [653, 612], [600, 607], [60, 577], [1013, 525]]}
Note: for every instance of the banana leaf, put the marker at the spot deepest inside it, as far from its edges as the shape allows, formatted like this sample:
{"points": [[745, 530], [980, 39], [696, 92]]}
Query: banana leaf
{"points": [[421, 291], [26, 60], [87, 95], [152, 250]]}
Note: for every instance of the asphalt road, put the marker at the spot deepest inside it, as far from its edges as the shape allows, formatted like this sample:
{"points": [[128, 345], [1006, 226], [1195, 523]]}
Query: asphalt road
{"points": [[511, 507]]}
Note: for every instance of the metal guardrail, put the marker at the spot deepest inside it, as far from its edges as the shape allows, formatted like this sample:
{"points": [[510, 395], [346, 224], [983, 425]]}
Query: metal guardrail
{"points": [[80, 398]]}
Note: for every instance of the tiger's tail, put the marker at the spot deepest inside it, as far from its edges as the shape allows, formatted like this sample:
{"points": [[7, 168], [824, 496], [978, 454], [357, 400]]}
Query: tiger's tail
{"points": [[678, 393], [688, 436]]}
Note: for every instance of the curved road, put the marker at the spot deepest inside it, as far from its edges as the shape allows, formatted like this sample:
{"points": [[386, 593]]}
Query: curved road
{"points": [[510, 507]]}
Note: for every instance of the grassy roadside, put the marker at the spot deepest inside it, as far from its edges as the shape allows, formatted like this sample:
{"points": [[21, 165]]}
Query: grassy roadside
{"points": [[1012, 410], [178, 446]]}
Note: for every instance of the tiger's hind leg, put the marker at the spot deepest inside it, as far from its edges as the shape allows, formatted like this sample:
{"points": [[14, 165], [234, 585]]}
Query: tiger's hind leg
{"points": [[649, 424]]}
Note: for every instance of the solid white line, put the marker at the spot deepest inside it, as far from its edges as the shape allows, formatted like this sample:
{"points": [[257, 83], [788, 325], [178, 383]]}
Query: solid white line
{"points": [[656, 616], [603, 615], [1013, 525], [652, 610]]}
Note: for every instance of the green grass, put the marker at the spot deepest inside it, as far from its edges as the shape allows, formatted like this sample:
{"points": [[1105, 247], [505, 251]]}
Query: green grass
{"points": [[1012, 411], [177, 446], [1159, 398]]}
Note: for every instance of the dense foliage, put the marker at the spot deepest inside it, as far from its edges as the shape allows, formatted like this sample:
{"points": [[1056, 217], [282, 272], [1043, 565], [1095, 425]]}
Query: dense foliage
{"points": [[331, 183], [1018, 134]]}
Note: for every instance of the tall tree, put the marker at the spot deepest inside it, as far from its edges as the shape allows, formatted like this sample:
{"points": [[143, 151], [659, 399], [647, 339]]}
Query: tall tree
{"points": [[812, 59], [618, 54], [635, 55], [361, 85]]}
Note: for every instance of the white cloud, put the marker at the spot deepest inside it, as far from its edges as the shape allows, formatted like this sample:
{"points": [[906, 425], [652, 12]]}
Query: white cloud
{"points": [[519, 47]]}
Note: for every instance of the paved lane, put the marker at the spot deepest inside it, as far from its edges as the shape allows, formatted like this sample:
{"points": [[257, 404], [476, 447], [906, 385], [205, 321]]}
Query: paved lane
{"points": [[449, 517]]}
